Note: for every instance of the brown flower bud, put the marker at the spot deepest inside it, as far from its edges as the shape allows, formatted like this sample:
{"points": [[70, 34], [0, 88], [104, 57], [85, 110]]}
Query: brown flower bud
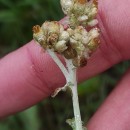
{"points": [[83, 61], [43, 44], [93, 44], [79, 61], [82, 1], [70, 53], [95, 2], [36, 29], [39, 36]]}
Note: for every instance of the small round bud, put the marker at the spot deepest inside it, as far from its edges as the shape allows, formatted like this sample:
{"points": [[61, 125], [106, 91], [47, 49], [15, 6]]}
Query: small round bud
{"points": [[93, 12], [60, 46], [93, 22], [70, 31], [64, 36], [73, 42], [80, 48], [83, 18], [44, 27], [51, 27], [52, 39], [93, 33], [67, 5], [79, 29], [85, 40], [77, 36]]}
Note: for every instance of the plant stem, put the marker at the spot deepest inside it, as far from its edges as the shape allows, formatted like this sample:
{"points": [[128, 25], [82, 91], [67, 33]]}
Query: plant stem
{"points": [[77, 115], [59, 63], [70, 75]]}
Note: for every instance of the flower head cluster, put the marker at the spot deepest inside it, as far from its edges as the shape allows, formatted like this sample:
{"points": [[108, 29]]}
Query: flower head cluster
{"points": [[74, 42], [80, 12], [51, 35]]}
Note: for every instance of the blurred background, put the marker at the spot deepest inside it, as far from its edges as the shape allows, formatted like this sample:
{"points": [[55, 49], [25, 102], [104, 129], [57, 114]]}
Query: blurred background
{"points": [[16, 20]]}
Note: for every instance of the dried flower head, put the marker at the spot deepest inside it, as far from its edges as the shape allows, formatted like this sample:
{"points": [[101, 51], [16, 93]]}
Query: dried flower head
{"points": [[51, 35], [39, 36], [75, 42], [80, 12]]}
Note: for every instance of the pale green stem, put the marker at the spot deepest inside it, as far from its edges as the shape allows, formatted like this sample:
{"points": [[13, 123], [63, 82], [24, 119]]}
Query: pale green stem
{"points": [[70, 76], [75, 100], [77, 115], [59, 63]]}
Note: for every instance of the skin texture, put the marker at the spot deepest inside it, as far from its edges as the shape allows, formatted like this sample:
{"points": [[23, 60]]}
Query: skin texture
{"points": [[28, 75]]}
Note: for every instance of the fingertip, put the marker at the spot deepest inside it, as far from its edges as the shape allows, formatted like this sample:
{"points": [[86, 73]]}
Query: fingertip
{"points": [[114, 112], [114, 22]]}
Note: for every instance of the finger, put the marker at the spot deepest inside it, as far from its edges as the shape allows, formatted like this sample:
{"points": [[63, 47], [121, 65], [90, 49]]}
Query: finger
{"points": [[20, 87], [114, 114], [114, 22], [115, 31]]}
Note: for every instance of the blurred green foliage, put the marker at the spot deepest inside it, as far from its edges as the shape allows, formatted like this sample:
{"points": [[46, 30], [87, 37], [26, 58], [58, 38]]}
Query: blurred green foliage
{"points": [[16, 20], [17, 17]]}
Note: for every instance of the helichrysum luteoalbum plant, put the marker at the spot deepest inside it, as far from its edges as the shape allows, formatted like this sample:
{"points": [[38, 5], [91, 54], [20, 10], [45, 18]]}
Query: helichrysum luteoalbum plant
{"points": [[73, 42]]}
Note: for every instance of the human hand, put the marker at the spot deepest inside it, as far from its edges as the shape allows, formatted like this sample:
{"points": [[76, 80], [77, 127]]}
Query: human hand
{"points": [[28, 75]]}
